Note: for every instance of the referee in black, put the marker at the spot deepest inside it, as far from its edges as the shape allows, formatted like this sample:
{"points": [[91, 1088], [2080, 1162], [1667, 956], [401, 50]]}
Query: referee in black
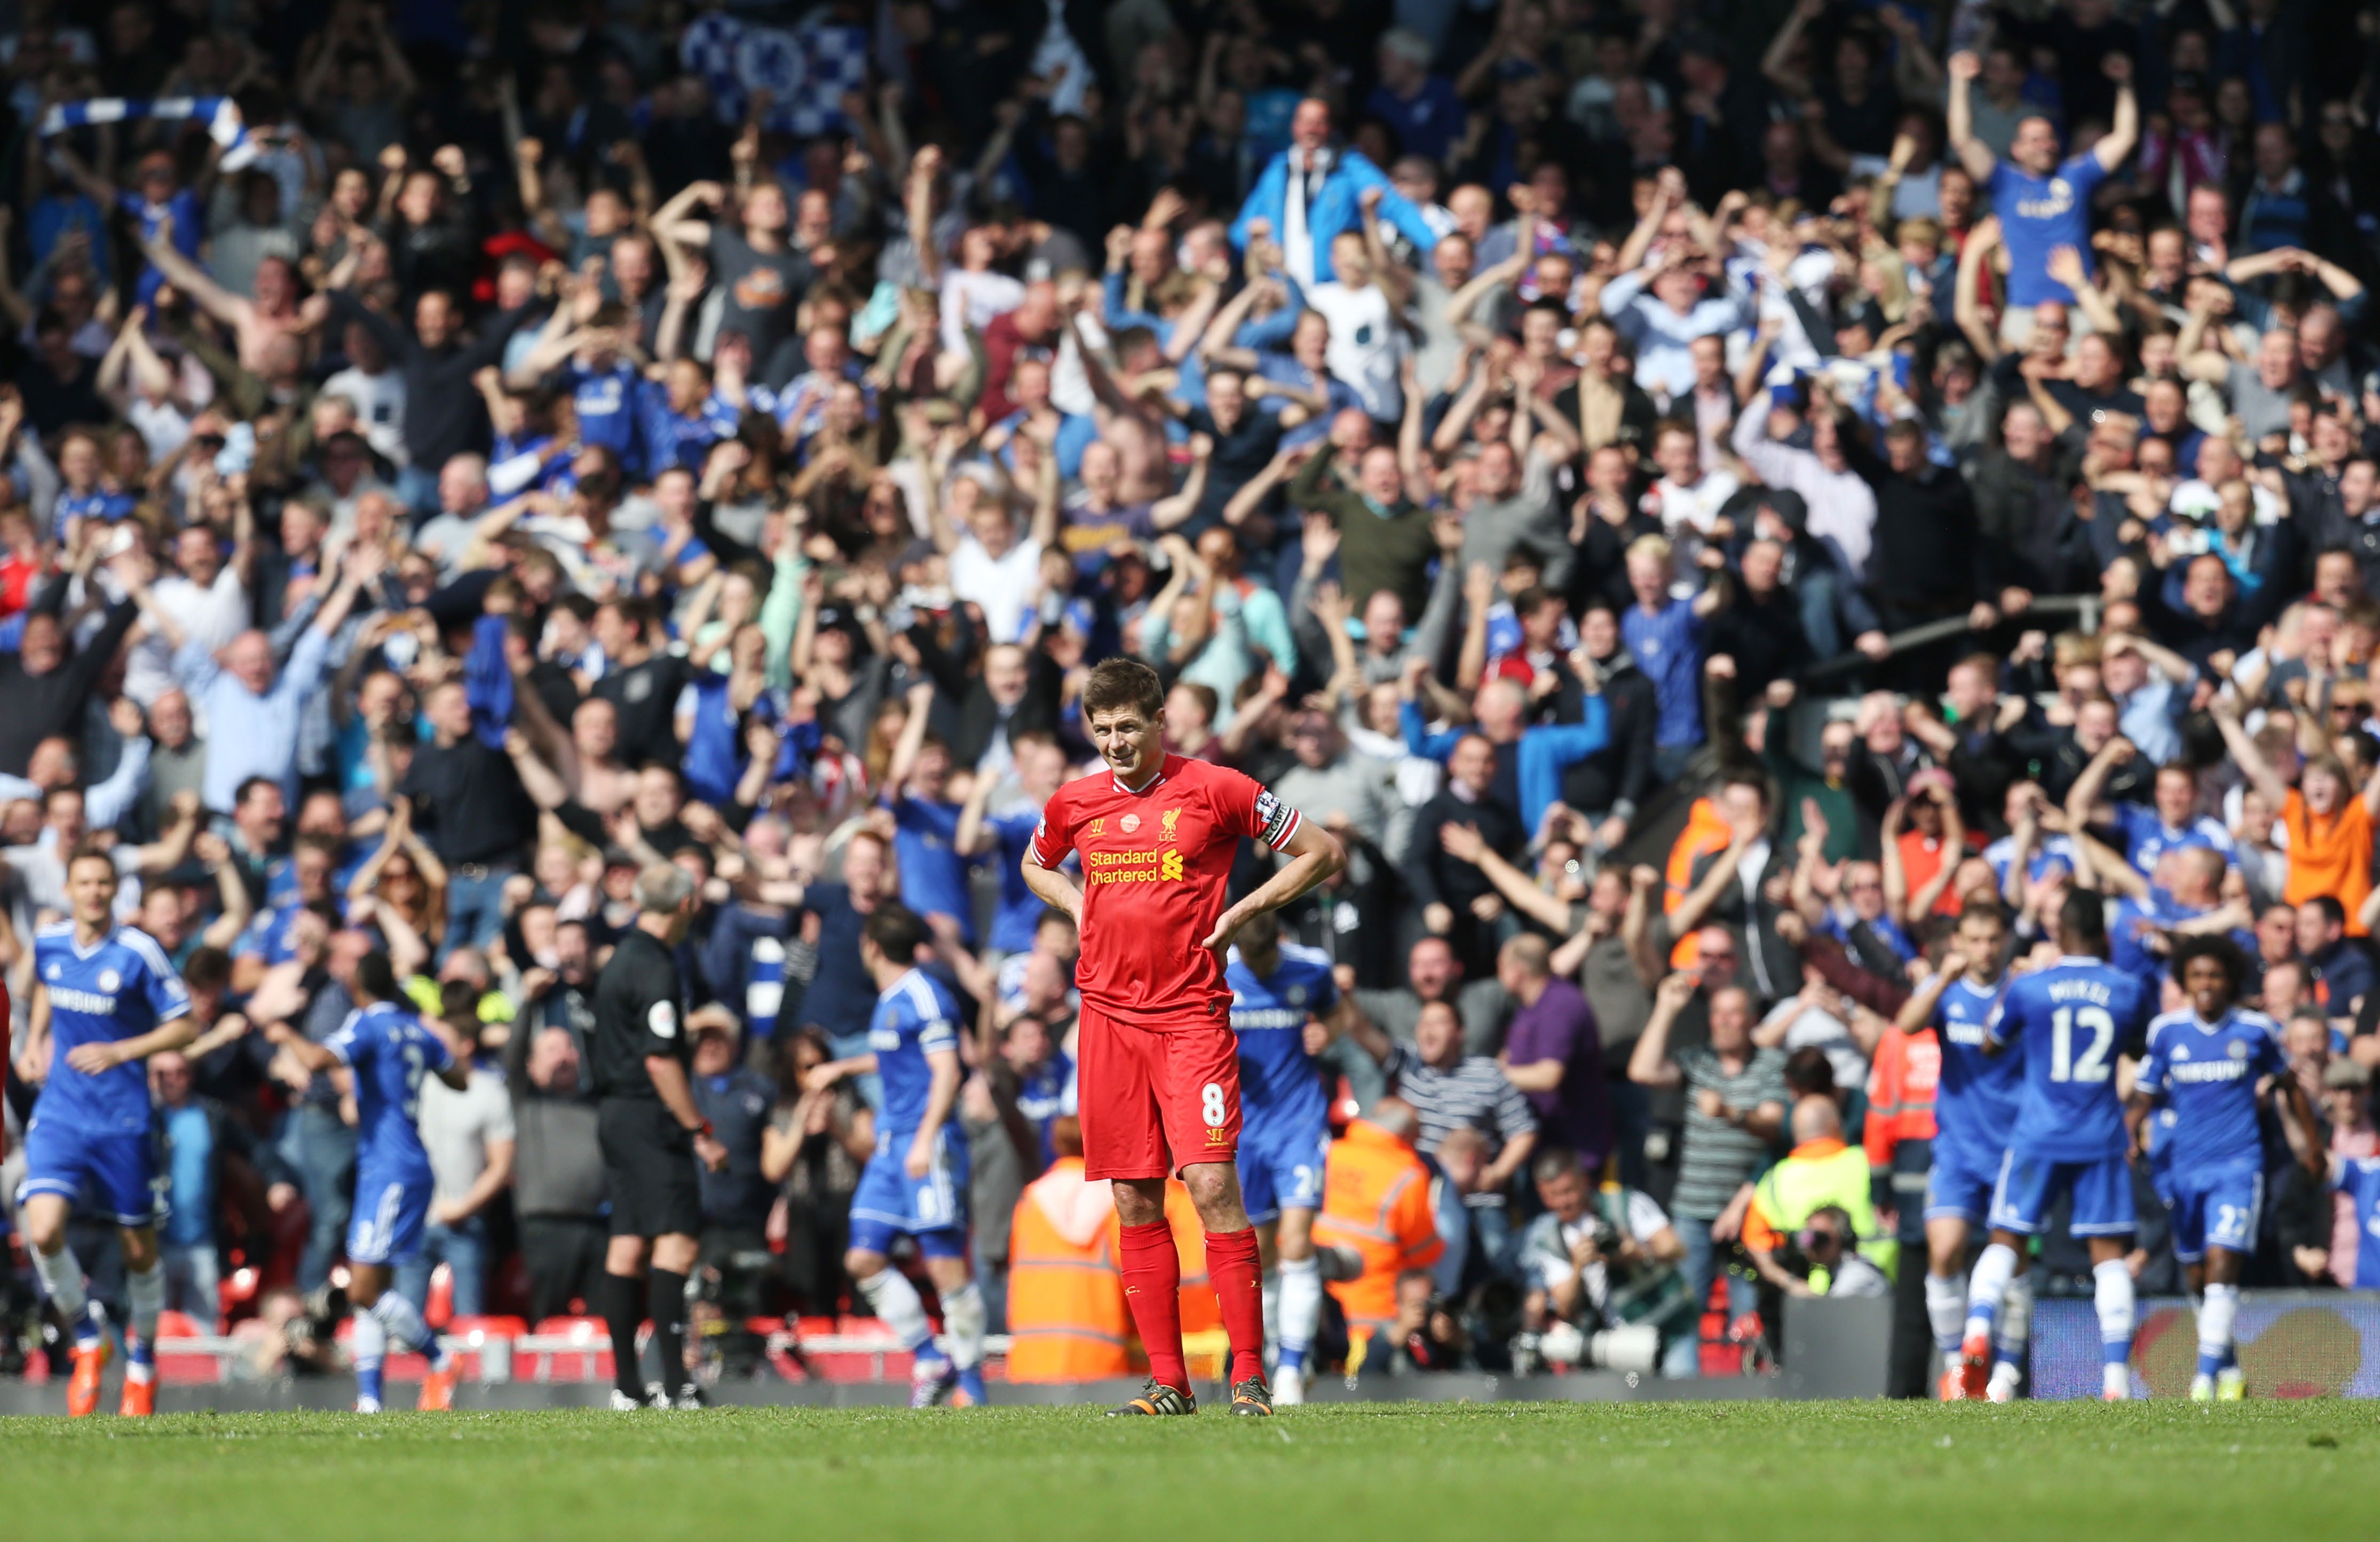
{"points": [[652, 1136]]}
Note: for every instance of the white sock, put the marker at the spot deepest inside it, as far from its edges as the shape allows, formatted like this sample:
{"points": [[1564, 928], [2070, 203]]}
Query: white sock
{"points": [[2214, 1320], [1987, 1287], [2112, 1297], [1946, 1310], [405, 1328], [1300, 1309], [1272, 1308], [61, 1275], [2016, 1318], [894, 1300], [146, 1290], [368, 1348], [963, 1320]]}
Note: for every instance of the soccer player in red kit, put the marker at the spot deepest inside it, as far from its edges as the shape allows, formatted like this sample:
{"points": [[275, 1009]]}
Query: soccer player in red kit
{"points": [[1158, 1069]]}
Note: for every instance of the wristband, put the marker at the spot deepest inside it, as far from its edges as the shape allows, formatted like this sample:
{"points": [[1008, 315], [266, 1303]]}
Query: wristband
{"points": [[702, 1130]]}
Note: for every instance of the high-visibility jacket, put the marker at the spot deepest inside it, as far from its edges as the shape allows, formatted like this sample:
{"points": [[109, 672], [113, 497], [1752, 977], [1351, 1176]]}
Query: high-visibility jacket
{"points": [[1376, 1199], [1901, 1084], [1815, 1174], [1066, 1315], [1706, 832]]}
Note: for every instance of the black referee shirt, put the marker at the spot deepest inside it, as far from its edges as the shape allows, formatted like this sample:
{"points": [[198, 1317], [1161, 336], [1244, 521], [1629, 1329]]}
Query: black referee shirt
{"points": [[639, 1010]]}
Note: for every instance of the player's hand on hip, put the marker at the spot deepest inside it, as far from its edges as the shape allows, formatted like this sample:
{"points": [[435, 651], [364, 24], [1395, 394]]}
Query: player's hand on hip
{"points": [[712, 1155], [920, 1161], [1227, 926], [93, 1059]]}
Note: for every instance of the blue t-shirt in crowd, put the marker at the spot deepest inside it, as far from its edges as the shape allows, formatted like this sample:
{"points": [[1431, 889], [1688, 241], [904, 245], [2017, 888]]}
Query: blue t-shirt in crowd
{"points": [[2038, 214], [1667, 646], [933, 874]]}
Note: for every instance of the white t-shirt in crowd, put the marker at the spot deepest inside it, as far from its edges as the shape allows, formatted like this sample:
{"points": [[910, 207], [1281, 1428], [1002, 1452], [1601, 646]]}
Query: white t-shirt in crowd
{"points": [[209, 617], [1366, 344], [379, 408], [1004, 586]]}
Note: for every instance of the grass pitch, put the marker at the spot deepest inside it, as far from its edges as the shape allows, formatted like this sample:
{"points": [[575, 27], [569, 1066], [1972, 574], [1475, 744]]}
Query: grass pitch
{"points": [[1769, 1472]]}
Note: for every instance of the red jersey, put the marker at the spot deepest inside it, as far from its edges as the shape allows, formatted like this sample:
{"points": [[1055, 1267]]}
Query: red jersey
{"points": [[1154, 864]]}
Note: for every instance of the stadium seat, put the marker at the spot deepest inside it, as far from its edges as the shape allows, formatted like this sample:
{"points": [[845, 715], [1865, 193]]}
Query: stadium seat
{"points": [[184, 1369], [471, 1336], [586, 1355], [439, 1309]]}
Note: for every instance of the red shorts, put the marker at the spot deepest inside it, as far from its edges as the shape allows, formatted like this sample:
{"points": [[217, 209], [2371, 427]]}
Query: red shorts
{"points": [[1154, 1102]]}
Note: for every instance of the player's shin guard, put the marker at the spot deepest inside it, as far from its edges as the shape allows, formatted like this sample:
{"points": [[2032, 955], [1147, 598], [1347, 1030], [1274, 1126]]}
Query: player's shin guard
{"points": [[405, 1328], [1152, 1288], [1988, 1288], [368, 1349], [2112, 1298], [895, 1302], [963, 1321], [2016, 1322], [1300, 1309], [1234, 1268], [61, 1277], [1946, 1310], [2215, 1315], [668, 1298], [146, 1289], [624, 1307]]}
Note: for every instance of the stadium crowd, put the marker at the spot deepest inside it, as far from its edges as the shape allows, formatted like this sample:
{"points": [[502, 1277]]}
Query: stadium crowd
{"points": [[1695, 497]]}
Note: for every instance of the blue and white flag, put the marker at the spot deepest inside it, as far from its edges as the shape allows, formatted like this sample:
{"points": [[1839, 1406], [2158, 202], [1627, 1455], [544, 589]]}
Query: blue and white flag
{"points": [[219, 114]]}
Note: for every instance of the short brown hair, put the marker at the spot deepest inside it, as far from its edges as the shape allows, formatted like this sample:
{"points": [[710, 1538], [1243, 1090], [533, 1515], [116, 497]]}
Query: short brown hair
{"points": [[1117, 683]]}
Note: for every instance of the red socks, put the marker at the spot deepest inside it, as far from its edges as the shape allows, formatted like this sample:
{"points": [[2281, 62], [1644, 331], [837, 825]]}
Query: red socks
{"points": [[1152, 1288], [1238, 1278]]}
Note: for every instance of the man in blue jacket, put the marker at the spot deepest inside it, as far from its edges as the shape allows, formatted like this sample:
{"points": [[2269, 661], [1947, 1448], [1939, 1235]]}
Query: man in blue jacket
{"points": [[1327, 180]]}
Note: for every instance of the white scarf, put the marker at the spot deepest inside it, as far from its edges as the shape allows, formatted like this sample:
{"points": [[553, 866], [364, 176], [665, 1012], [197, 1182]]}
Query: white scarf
{"points": [[1298, 190]]}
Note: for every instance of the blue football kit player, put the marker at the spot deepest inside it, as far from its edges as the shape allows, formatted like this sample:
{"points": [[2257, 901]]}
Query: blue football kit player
{"points": [[916, 1185], [1974, 1110], [1284, 1124], [104, 1000], [2072, 1019], [2207, 1065], [387, 1051]]}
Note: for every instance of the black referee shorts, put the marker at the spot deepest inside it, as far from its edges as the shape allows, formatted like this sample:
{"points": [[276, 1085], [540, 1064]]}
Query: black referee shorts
{"points": [[649, 1168]]}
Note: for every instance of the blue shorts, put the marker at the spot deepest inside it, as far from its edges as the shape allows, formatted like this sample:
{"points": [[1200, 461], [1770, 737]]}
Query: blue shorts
{"points": [[2029, 1185], [114, 1173], [392, 1208], [2216, 1207], [933, 1209], [1281, 1171], [1959, 1187]]}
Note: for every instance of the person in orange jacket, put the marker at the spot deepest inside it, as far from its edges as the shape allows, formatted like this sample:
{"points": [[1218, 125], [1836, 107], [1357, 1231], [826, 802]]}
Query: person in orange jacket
{"points": [[1066, 1315], [1067, 1319], [1377, 1219]]}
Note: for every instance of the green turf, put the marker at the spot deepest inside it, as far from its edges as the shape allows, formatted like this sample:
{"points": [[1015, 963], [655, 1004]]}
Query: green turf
{"points": [[1747, 1471]]}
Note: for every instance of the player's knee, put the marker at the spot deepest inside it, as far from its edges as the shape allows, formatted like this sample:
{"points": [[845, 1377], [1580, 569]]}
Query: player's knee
{"points": [[1214, 1190], [861, 1264], [45, 1227], [1140, 1202], [139, 1249]]}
